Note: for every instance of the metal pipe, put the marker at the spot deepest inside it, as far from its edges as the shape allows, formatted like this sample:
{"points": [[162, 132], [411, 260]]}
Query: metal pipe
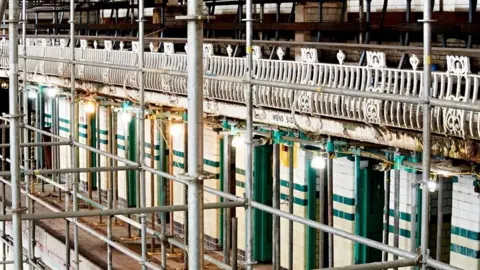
{"points": [[26, 150], [378, 265], [234, 242], [227, 156], [386, 214], [276, 204], [98, 162], [291, 201], [3, 194], [358, 200], [195, 134], [36, 144], [413, 214], [321, 218], [249, 138], [119, 211], [73, 134], [440, 186], [163, 195], [396, 217], [141, 129], [15, 134], [330, 207], [425, 97], [110, 189]]}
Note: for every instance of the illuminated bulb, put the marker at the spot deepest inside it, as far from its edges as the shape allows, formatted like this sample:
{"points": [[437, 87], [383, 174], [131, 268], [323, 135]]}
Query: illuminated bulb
{"points": [[176, 129], [32, 95], [90, 107], [432, 186], [126, 117], [318, 162], [237, 141], [51, 92]]}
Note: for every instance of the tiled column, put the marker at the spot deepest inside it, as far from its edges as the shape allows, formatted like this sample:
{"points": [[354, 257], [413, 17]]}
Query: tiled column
{"points": [[465, 233], [84, 138], [121, 137]]}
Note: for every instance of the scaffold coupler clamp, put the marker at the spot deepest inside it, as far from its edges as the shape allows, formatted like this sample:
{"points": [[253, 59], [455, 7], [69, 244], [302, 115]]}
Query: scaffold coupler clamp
{"points": [[19, 210], [422, 260]]}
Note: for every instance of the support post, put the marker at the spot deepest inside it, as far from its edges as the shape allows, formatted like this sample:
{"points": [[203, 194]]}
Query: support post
{"points": [[427, 61], [15, 134], [413, 214], [141, 130], [26, 150], [386, 214], [234, 243], [111, 138], [291, 201], [249, 137], [330, 207], [98, 158], [3, 210], [195, 133], [276, 205], [227, 150], [440, 186], [163, 195], [396, 206]]}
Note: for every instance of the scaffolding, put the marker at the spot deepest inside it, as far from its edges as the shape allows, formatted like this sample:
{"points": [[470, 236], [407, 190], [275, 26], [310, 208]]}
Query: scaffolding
{"points": [[17, 123]]}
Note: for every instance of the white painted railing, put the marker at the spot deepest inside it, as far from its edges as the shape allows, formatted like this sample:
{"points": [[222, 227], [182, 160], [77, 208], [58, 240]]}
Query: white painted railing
{"points": [[457, 83]]}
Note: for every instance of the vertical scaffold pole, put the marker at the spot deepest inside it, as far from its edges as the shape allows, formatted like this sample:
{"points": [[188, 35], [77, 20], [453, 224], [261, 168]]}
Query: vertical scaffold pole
{"points": [[14, 133], [427, 61], [249, 140], [195, 133], [26, 150], [141, 130]]}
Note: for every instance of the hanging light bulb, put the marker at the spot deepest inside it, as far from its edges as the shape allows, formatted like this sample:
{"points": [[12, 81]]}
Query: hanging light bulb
{"points": [[318, 162], [176, 129], [32, 94], [51, 92], [238, 141], [90, 107], [432, 186]]}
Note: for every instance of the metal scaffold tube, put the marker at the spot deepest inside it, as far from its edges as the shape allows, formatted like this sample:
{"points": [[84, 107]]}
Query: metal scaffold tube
{"points": [[26, 150], [73, 132], [14, 115], [425, 96], [141, 131], [249, 139], [195, 133]]}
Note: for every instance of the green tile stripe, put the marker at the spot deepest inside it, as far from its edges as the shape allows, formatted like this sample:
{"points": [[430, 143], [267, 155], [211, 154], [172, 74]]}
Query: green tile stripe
{"points": [[83, 135], [120, 137], [102, 141], [240, 171], [63, 120], [465, 251], [343, 215], [298, 201], [298, 187], [103, 132], [148, 155], [85, 126], [48, 115], [403, 232], [121, 147], [178, 153], [178, 165], [64, 129], [148, 145], [466, 233], [344, 200], [403, 215]]}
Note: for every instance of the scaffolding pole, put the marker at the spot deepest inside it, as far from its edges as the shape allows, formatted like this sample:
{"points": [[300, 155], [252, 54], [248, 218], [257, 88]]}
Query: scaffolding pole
{"points": [[425, 97], [26, 152], [14, 118]]}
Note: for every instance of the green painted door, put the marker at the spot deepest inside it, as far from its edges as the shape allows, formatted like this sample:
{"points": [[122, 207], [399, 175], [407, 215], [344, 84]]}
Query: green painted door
{"points": [[262, 193], [132, 155], [371, 211]]}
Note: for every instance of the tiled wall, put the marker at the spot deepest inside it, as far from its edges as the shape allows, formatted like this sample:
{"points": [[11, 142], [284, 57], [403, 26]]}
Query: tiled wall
{"points": [[64, 131], [343, 209], [84, 138], [465, 233], [122, 144], [211, 164]]}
